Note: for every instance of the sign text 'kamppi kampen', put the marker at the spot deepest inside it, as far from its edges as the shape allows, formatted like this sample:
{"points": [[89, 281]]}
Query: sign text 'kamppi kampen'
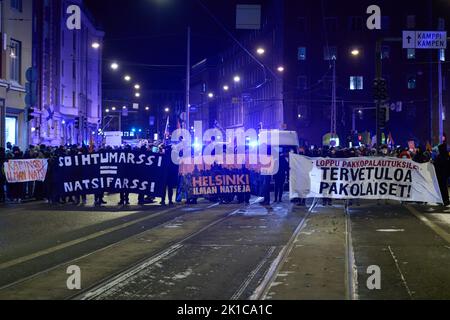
{"points": [[363, 178], [113, 172]]}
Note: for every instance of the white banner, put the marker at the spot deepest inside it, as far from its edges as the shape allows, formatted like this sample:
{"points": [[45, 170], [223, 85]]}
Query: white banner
{"points": [[363, 178], [26, 170]]}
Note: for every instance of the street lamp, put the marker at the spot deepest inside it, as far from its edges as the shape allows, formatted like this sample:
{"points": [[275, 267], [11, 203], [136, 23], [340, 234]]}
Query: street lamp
{"points": [[355, 52], [114, 66], [226, 88], [280, 69], [127, 78], [147, 108], [107, 110], [95, 45], [237, 79], [210, 95], [113, 108], [137, 86], [167, 110], [137, 94], [260, 51]]}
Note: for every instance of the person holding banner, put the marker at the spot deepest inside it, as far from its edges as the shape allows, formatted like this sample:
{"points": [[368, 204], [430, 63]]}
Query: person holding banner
{"points": [[2, 174], [280, 177], [441, 165]]}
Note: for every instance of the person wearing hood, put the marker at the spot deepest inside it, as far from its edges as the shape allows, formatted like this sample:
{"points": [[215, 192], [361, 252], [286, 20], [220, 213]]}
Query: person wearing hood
{"points": [[441, 165]]}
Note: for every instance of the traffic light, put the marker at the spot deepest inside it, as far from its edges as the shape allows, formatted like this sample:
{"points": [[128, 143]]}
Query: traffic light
{"points": [[29, 114], [380, 91], [77, 123], [383, 117]]}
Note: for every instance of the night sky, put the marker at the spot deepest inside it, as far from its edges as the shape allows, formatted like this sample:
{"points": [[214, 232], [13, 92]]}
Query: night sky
{"points": [[140, 33]]}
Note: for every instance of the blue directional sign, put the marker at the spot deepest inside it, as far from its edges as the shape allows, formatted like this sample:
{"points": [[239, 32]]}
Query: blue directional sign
{"points": [[424, 39]]}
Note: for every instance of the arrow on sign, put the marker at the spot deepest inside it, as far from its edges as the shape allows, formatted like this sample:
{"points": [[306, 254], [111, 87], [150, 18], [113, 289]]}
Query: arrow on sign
{"points": [[409, 38]]}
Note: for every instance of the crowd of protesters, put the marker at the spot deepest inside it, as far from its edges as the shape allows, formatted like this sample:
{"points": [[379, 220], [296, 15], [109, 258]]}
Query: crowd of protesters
{"points": [[17, 192]]}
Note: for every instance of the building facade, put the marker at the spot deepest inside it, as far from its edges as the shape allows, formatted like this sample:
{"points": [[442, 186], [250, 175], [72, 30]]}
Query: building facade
{"points": [[341, 32], [311, 47], [16, 58], [70, 75]]}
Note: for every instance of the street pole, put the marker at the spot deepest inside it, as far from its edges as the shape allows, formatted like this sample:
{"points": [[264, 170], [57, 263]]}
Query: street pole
{"points": [[378, 76], [188, 78], [441, 106]]}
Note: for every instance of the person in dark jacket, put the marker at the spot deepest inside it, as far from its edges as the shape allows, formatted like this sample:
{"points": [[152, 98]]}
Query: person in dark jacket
{"points": [[280, 177], [2, 175], [441, 164]]}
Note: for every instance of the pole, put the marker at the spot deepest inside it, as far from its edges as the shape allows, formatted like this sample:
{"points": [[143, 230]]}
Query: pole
{"points": [[441, 106], [378, 76], [188, 78], [333, 103]]}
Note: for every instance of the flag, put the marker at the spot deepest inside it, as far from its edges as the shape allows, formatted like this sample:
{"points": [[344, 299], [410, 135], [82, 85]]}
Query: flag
{"points": [[166, 131], [390, 140], [91, 144]]}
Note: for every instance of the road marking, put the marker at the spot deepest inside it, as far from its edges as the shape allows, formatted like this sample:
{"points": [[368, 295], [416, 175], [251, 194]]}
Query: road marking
{"points": [[401, 273], [438, 230], [390, 230], [252, 274], [38, 254], [108, 284], [124, 276], [350, 264], [263, 289]]}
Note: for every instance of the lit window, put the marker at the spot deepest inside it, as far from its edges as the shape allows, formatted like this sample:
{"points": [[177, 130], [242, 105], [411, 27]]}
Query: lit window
{"points": [[442, 55], [412, 82], [17, 5], [385, 52], [15, 60], [302, 53], [411, 54], [356, 83]]}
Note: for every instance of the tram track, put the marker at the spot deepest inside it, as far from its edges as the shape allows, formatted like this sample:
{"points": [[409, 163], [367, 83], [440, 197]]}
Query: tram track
{"points": [[109, 283], [42, 253]]}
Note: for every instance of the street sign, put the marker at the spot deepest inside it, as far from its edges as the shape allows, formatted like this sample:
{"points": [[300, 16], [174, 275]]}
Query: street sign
{"points": [[424, 40]]}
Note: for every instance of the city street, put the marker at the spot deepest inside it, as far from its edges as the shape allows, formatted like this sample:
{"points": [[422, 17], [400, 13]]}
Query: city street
{"points": [[225, 251]]}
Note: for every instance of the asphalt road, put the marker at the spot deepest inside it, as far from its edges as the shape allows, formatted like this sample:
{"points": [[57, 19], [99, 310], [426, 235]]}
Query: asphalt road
{"points": [[212, 251]]}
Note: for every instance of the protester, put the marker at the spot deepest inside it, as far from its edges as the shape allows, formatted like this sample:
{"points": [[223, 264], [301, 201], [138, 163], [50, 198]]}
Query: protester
{"points": [[441, 164], [2, 175], [280, 177]]}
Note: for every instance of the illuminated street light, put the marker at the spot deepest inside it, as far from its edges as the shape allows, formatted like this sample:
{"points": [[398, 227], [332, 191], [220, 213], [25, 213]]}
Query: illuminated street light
{"points": [[237, 79], [127, 78], [114, 66], [226, 88], [167, 110], [137, 86], [280, 69], [260, 51], [211, 95], [95, 45], [124, 107], [137, 94], [107, 110], [355, 52], [113, 108], [147, 108]]}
